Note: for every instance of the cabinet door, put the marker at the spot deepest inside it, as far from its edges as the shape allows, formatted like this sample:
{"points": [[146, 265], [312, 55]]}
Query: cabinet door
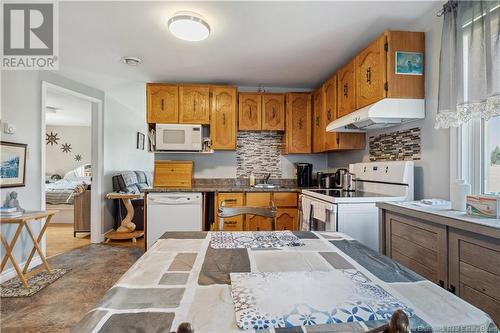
{"points": [[351, 141], [286, 219], [285, 199], [346, 90], [475, 270], [223, 120], [371, 73], [330, 91], [162, 103], [230, 200], [418, 245], [318, 127], [258, 223], [249, 112], [194, 105], [273, 112], [298, 123]]}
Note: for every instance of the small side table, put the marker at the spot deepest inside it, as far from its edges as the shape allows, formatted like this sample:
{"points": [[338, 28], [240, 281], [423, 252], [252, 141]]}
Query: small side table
{"points": [[22, 222], [127, 228]]}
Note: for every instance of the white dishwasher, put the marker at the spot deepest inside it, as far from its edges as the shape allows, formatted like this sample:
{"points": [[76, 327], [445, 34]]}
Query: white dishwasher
{"points": [[172, 211]]}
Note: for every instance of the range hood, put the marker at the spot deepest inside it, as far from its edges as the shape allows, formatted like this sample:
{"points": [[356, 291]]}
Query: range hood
{"points": [[384, 113]]}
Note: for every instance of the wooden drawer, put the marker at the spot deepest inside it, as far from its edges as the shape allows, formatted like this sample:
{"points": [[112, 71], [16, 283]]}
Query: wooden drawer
{"points": [[230, 200], [258, 199], [286, 219], [285, 199], [418, 245], [475, 270], [173, 173]]}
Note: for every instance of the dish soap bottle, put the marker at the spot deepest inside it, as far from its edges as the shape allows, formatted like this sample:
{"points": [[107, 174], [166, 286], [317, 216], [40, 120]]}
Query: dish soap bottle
{"points": [[252, 179]]}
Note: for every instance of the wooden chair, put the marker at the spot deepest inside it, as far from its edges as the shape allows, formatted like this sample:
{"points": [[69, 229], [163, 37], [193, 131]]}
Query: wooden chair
{"points": [[399, 323], [224, 212]]}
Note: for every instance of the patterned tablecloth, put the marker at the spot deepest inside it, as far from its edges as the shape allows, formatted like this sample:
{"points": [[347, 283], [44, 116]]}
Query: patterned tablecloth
{"points": [[302, 282]]}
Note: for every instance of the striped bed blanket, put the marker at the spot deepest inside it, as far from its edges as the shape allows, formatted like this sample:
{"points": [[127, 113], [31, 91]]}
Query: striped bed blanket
{"points": [[293, 282]]}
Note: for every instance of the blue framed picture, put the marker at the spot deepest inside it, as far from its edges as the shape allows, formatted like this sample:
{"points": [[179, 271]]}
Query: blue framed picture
{"points": [[409, 63], [13, 164]]}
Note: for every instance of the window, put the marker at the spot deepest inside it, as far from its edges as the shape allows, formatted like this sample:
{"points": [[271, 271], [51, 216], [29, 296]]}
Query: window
{"points": [[476, 144]]}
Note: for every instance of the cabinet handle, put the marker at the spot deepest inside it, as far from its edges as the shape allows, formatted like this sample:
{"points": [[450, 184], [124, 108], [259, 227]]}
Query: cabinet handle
{"points": [[369, 75], [329, 114], [317, 120], [346, 90], [452, 289], [300, 123], [230, 200], [162, 104], [194, 106], [224, 119], [274, 112]]}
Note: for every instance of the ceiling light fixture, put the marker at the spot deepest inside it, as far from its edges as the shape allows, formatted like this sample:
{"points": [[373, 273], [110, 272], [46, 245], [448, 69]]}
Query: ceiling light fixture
{"points": [[131, 61], [189, 26]]}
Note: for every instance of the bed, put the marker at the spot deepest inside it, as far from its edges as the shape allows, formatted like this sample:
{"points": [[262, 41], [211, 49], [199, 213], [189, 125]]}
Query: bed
{"points": [[273, 282], [71, 197]]}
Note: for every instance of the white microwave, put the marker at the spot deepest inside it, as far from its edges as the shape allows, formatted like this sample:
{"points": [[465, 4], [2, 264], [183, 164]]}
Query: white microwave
{"points": [[178, 137]]}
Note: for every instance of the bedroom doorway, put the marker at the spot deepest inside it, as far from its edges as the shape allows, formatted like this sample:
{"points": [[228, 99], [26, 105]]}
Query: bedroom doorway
{"points": [[71, 156]]}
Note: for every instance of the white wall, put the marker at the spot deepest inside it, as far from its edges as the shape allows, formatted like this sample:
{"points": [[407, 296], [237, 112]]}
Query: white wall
{"points": [[432, 172], [124, 116], [80, 139], [21, 106]]}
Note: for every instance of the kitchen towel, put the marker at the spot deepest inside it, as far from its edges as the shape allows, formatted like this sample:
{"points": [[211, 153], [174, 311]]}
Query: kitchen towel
{"points": [[306, 213], [319, 210]]}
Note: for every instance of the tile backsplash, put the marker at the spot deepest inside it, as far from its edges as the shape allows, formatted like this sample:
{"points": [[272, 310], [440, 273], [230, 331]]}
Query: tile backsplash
{"points": [[260, 153], [396, 146]]}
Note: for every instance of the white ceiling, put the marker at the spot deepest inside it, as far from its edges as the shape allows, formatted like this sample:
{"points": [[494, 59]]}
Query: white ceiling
{"points": [[282, 44], [71, 110]]}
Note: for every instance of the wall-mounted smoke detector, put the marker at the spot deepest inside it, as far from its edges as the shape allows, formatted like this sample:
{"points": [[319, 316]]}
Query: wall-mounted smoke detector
{"points": [[189, 26], [131, 61]]}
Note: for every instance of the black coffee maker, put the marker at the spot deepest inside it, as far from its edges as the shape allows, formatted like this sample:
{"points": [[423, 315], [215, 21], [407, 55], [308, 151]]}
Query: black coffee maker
{"points": [[304, 174]]}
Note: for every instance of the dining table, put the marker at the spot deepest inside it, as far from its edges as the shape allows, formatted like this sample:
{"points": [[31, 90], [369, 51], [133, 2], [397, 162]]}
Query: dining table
{"points": [[274, 281]]}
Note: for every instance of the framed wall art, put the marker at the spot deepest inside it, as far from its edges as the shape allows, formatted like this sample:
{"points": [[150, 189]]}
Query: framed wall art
{"points": [[13, 164], [409, 63], [140, 140]]}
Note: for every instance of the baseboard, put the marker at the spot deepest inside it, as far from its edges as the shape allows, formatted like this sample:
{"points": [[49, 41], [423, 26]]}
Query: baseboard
{"points": [[11, 272]]}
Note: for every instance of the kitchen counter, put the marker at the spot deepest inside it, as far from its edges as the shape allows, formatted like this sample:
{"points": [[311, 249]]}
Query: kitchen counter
{"points": [[228, 185], [444, 215]]}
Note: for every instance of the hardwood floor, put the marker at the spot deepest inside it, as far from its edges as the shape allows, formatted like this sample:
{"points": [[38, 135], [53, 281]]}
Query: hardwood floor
{"points": [[60, 239], [61, 305]]}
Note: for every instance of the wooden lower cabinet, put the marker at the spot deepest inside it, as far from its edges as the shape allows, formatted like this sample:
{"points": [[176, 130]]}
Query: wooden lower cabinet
{"points": [[286, 219], [231, 200], [463, 262], [418, 245], [475, 270]]}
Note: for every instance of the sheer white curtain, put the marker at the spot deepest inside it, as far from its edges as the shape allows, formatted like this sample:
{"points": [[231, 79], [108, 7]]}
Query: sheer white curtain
{"points": [[469, 73]]}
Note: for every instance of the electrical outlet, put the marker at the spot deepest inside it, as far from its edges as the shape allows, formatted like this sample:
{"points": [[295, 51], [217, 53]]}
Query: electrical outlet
{"points": [[9, 128]]}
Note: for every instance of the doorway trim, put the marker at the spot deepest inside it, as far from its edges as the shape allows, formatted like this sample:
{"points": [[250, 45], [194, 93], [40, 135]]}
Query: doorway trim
{"points": [[97, 163]]}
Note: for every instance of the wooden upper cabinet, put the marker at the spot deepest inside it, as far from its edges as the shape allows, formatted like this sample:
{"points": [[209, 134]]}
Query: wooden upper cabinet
{"points": [[273, 112], [318, 126], [249, 112], [162, 103], [194, 106], [346, 90], [351, 141], [404, 86], [298, 123], [330, 92], [224, 118], [371, 73]]}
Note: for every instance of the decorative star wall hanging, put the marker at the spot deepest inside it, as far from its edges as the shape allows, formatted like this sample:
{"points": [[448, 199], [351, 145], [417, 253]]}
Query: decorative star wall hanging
{"points": [[66, 148], [51, 138], [78, 157]]}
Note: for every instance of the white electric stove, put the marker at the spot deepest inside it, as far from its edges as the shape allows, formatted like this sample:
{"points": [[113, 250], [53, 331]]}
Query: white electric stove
{"points": [[355, 213]]}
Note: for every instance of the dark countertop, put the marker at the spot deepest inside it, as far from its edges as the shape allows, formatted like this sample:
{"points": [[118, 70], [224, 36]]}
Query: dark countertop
{"points": [[220, 188], [444, 215], [228, 185]]}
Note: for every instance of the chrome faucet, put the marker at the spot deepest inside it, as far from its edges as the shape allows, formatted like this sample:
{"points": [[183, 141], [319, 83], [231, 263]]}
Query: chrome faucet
{"points": [[266, 178]]}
